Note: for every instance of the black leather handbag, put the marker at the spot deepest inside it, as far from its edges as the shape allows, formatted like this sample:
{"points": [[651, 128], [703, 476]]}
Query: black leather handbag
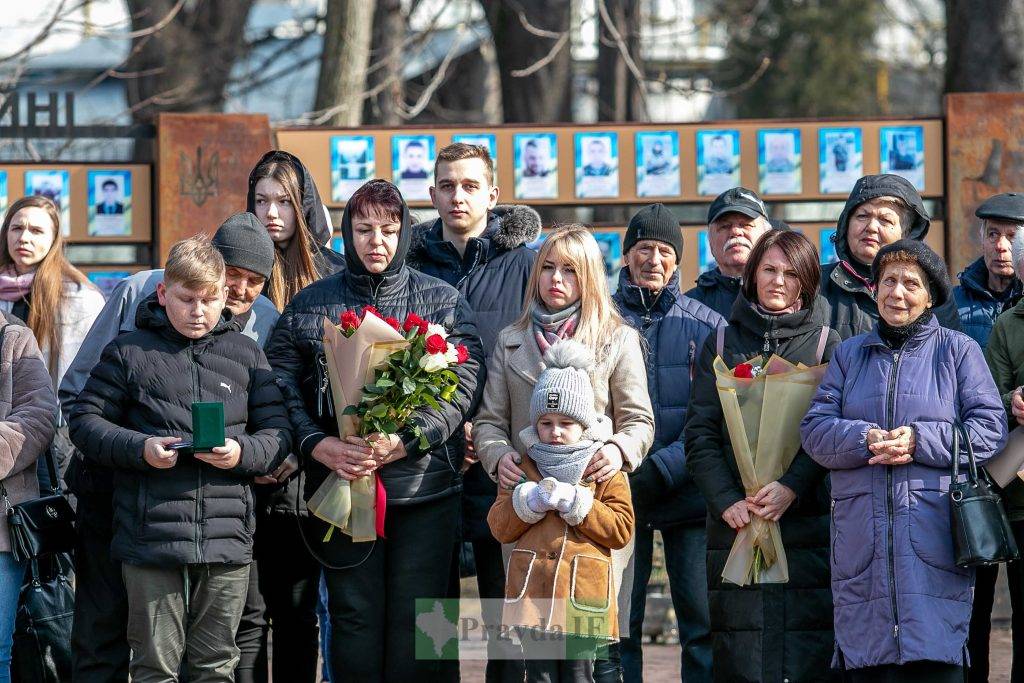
{"points": [[44, 526], [981, 529]]}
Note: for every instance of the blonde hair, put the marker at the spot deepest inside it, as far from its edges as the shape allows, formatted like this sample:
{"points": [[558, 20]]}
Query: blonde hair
{"points": [[599, 318], [195, 264], [48, 294]]}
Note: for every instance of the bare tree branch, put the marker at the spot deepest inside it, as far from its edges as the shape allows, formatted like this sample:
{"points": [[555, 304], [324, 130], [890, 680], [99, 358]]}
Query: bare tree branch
{"points": [[543, 61]]}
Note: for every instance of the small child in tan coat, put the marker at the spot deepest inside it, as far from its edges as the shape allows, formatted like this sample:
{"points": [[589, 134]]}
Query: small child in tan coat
{"points": [[559, 590]]}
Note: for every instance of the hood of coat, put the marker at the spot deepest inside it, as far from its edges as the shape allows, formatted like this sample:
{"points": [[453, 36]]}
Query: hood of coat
{"points": [[152, 316], [355, 267], [508, 226], [312, 207], [642, 299], [784, 326], [875, 186]]}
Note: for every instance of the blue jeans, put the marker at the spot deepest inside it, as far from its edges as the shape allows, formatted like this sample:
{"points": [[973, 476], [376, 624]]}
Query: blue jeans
{"points": [[325, 630], [686, 562], [12, 575]]}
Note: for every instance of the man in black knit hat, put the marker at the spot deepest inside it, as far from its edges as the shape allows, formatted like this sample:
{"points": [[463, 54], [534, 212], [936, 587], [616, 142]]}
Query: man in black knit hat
{"points": [[664, 497]]}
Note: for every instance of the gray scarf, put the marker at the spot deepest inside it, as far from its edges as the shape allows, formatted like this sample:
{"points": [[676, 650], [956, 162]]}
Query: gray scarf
{"points": [[550, 327], [566, 463]]}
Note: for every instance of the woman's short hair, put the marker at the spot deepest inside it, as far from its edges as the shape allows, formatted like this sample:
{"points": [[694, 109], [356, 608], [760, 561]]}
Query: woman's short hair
{"points": [[801, 254], [195, 264], [377, 198]]}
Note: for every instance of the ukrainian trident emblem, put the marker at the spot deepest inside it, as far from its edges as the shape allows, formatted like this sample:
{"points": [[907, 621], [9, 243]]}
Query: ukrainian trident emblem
{"points": [[199, 178]]}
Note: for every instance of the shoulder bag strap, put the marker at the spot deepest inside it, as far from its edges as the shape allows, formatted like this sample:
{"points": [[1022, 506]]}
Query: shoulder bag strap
{"points": [[962, 441], [822, 340]]}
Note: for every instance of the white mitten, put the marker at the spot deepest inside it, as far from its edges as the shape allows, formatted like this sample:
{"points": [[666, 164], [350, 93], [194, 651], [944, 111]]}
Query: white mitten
{"points": [[535, 498], [563, 497]]}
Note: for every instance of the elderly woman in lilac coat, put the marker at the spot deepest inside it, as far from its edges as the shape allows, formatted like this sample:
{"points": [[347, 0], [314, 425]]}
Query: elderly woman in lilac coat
{"points": [[882, 423]]}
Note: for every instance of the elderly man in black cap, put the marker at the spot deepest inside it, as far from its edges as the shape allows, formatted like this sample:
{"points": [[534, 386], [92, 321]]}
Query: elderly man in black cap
{"points": [[664, 496], [99, 640], [880, 210], [736, 219], [989, 286]]}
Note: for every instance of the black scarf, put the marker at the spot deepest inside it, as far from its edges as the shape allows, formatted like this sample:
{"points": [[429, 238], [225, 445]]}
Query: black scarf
{"points": [[896, 337]]}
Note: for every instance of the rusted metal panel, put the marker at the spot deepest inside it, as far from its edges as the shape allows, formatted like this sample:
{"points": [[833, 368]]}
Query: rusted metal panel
{"points": [[203, 164], [984, 156]]}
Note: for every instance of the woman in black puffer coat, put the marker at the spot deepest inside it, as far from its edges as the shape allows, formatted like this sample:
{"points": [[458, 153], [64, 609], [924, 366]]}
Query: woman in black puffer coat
{"points": [[372, 586], [766, 633]]}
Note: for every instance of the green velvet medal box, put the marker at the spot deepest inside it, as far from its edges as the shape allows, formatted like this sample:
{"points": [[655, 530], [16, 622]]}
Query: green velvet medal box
{"points": [[207, 425]]}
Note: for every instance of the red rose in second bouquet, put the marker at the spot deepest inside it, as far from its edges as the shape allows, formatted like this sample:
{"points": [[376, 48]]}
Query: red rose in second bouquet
{"points": [[436, 344], [463, 353], [414, 321], [349, 321], [744, 371], [373, 310], [394, 323]]}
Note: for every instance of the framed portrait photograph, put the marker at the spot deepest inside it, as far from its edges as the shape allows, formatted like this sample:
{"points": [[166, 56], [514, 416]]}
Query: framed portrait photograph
{"points": [[106, 280], [352, 164], [778, 161], [3, 194], [827, 245], [718, 161], [536, 165], [110, 203], [338, 244], [902, 152], [610, 243], [56, 186], [596, 165], [412, 165], [488, 141], [705, 261], [657, 164], [840, 159]]}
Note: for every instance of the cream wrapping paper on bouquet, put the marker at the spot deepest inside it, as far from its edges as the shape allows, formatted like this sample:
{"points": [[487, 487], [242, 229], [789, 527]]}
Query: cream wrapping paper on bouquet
{"points": [[762, 415], [351, 362]]}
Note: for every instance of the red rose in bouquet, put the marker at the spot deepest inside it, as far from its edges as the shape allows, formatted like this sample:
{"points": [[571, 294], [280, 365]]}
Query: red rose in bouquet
{"points": [[462, 354], [744, 371], [349, 322], [414, 322], [394, 323], [436, 344]]}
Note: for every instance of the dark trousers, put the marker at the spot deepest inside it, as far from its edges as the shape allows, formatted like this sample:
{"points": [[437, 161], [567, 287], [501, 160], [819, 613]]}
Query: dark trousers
{"points": [[373, 605], [99, 635], [251, 637], [504, 661], [981, 616], [685, 562], [911, 672], [289, 581]]}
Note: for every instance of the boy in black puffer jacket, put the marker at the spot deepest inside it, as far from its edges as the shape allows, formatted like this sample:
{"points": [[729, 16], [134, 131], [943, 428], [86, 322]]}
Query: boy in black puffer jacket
{"points": [[183, 522]]}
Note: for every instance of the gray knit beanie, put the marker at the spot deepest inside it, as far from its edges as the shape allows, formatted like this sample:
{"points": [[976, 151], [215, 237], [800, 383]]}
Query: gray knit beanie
{"points": [[564, 386], [244, 243]]}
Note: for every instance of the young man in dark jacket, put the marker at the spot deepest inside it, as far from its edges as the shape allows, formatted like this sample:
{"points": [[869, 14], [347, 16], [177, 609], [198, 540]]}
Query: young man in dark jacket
{"points": [[183, 519], [664, 496], [880, 210], [736, 219], [480, 249], [98, 642], [990, 286]]}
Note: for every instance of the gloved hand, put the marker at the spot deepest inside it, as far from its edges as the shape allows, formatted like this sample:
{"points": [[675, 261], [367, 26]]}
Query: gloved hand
{"points": [[535, 497], [560, 496]]}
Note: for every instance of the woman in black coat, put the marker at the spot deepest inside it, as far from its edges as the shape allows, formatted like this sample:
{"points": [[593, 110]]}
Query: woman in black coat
{"points": [[373, 586], [766, 632]]}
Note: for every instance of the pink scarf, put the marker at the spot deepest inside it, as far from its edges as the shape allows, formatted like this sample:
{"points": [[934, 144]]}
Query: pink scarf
{"points": [[14, 287]]}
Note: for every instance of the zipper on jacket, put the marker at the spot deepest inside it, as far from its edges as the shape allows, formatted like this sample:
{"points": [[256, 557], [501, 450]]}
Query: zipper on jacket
{"points": [[890, 503], [196, 397]]}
